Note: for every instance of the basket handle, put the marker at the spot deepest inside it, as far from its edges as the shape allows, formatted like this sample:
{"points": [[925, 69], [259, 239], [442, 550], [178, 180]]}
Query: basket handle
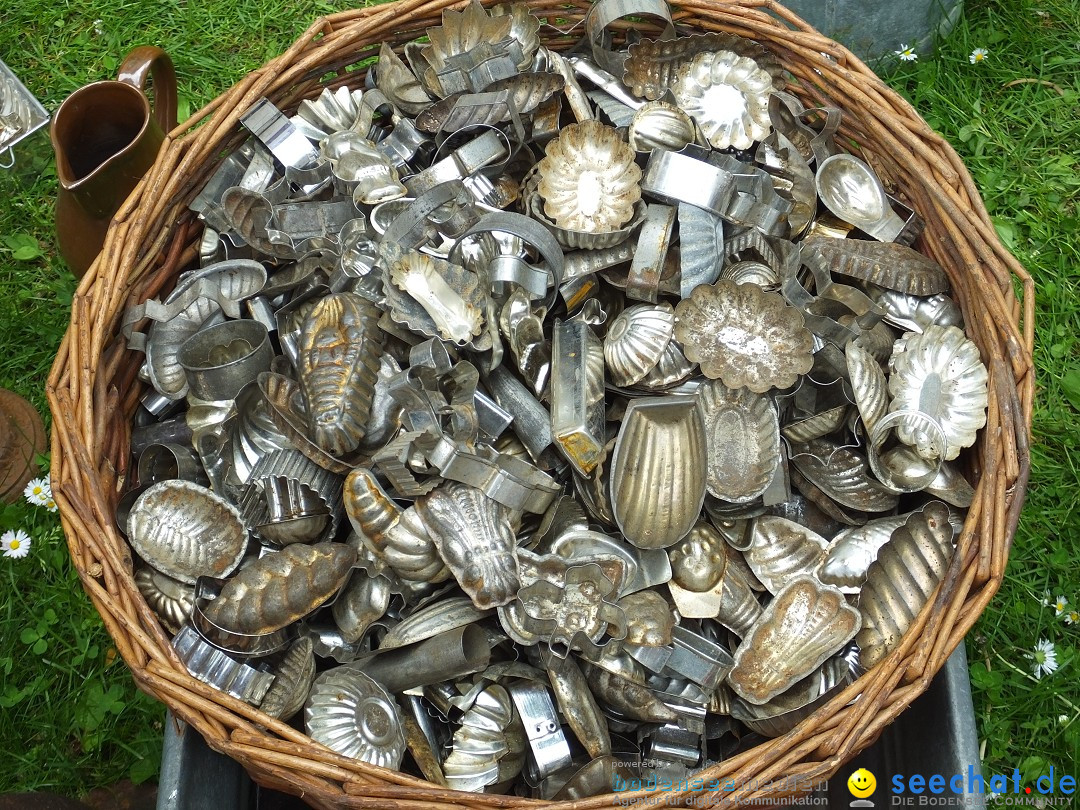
{"points": [[150, 61]]}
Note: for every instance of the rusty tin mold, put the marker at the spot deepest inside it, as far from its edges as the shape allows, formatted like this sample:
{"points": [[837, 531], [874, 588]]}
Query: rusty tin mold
{"points": [[762, 343], [805, 624], [186, 531], [169, 598], [886, 264], [781, 550], [351, 714]]}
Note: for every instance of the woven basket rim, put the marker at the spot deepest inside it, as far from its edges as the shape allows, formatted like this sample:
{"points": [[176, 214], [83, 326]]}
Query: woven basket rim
{"points": [[93, 392]]}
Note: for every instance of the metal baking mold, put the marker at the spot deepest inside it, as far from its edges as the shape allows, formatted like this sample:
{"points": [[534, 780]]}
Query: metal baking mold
{"points": [[399, 84], [885, 264], [473, 535], [292, 682], [781, 550], [578, 612], [577, 704], [727, 95], [440, 299], [577, 393], [290, 499], [360, 170], [705, 584], [468, 51], [852, 551], [915, 314], [20, 111], [500, 102], [489, 745], [850, 189], [659, 125], [438, 617], [636, 340], [212, 666], [186, 531], [277, 590], [267, 123], [763, 343], [221, 359], [843, 475], [645, 568], [651, 254], [397, 536], [941, 374], [362, 600], [547, 742], [649, 620], [333, 111], [690, 655], [626, 695], [169, 598], [792, 177], [602, 14], [657, 504], [901, 467], [166, 461], [588, 179], [571, 239], [701, 248], [802, 626], [351, 714], [869, 388], [742, 436], [338, 365], [447, 656], [901, 579], [653, 64]]}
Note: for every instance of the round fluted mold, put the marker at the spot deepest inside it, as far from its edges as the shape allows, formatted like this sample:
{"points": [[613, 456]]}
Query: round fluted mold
{"points": [[637, 340], [728, 96], [350, 713]]}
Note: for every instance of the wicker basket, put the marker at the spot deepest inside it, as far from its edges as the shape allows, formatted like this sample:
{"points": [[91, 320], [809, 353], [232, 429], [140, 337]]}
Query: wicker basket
{"points": [[93, 391]]}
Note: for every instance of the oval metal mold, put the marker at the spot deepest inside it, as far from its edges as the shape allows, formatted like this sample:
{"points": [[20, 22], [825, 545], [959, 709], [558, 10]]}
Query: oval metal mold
{"points": [[186, 531], [843, 475], [742, 434]]}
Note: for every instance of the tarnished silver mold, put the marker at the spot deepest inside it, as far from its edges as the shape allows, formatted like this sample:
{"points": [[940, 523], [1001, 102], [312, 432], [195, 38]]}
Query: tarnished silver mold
{"points": [[338, 365], [579, 611], [656, 502], [438, 617], [290, 499], [868, 384], [292, 681], [281, 588], [659, 125], [886, 264], [843, 475], [186, 531], [588, 179], [941, 374], [473, 535], [727, 95], [363, 600], [742, 434], [912, 313], [636, 341], [781, 550], [850, 189], [212, 666], [222, 359], [578, 705], [852, 550], [169, 598], [901, 579], [761, 344], [351, 714], [804, 624], [489, 746], [437, 299], [577, 408]]}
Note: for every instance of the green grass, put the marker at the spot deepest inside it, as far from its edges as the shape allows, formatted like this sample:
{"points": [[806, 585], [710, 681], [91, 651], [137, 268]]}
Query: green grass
{"points": [[70, 718]]}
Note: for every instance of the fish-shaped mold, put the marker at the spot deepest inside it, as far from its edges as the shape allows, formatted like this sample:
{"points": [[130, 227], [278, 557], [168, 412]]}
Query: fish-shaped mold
{"points": [[338, 365]]}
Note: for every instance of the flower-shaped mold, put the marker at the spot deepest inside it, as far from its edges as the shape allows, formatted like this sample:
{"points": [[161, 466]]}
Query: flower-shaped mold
{"points": [[292, 681], [805, 624], [524, 27], [940, 374], [744, 336], [351, 714], [636, 341], [728, 96], [588, 179]]}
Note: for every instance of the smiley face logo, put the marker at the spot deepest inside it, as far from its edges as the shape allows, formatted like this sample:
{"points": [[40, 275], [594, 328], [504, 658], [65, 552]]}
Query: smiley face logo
{"points": [[862, 783]]}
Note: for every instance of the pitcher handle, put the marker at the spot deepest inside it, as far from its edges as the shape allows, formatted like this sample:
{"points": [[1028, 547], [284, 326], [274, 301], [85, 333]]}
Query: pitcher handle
{"points": [[145, 61]]}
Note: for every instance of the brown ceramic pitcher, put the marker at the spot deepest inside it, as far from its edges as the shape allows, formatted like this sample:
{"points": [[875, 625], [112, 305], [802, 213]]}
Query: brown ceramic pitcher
{"points": [[106, 137]]}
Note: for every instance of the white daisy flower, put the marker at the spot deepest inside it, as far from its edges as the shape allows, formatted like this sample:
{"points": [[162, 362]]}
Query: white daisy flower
{"points": [[1045, 601], [1072, 617], [51, 505], [15, 543], [38, 491], [1060, 603], [978, 55], [1044, 658], [99, 28], [906, 53]]}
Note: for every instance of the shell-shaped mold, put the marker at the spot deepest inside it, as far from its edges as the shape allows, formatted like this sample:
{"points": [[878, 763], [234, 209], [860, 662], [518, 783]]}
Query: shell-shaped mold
{"points": [[396, 536], [186, 531], [658, 470], [363, 600], [886, 264], [163, 343], [438, 617], [744, 336], [781, 550], [852, 550], [941, 374], [489, 745], [588, 179], [671, 369], [843, 475], [653, 63], [398, 83], [292, 681], [526, 92], [659, 125], [451, 302], [351, 714], [805, 624], [338, 365], [742, 434], [473, 535], [169, 598], [728, 96], [868, 384], [461, 32], [280, 588], [900, 581], [701, 247], [636, 341]]}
